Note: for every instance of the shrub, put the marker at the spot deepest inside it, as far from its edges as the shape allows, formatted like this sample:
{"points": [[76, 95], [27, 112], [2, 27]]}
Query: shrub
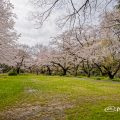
{"points": [[98, 78], [12, 73], [116, 79]]}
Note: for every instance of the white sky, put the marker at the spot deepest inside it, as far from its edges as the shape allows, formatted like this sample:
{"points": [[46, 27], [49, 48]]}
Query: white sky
{"points": [[30, 35]]}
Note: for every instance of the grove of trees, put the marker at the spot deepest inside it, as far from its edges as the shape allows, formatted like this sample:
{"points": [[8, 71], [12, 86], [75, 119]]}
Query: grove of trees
{"points": [[83, 49]]}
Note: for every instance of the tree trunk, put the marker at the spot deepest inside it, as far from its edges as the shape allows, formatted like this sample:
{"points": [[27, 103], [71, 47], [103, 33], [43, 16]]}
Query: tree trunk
{"points": [[63, 68], [110, 75], [49, 70], [18, 70], [64, 72], [88, 74], [99, 68], [37, 72], [76, 73], [76, 70], [30, 69]]}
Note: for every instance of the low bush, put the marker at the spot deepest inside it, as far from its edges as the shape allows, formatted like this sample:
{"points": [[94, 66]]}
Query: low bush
{"points": [[12, 73], [116, 79], [98, 78]]}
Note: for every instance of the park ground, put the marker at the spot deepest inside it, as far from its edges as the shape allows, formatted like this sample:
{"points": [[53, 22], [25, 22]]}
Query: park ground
{"points": [[32, 97]]}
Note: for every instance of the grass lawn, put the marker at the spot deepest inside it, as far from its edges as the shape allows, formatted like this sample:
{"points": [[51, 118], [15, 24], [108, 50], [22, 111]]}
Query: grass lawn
{"points": [[31, 97]]}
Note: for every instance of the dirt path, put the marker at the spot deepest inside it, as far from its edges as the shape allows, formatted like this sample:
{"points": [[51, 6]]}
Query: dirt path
{"points": [[52, 111]]}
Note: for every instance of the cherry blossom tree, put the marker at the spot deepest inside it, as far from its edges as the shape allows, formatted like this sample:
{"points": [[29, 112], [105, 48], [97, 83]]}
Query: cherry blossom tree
{"points": [[85, 47], [22, 58], [8, 34], [107, 50], [42, 57]]}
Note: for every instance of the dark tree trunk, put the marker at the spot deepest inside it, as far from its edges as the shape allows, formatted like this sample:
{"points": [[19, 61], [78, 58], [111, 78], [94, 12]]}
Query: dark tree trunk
{"points": [[110, 75], [19, 66], [88, 74], [64, 71], [76, 70], [87, 68], [37, 72], [30, 69], [49, 70], [18, 70], [99, 68], [75, 74]]}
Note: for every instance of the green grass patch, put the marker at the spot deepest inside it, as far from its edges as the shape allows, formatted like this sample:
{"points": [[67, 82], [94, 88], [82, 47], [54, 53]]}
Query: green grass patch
{"points": [[75, 98]]}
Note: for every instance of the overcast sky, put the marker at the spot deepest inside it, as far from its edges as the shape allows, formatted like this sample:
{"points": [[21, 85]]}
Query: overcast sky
{"points": [[30, 35]]}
